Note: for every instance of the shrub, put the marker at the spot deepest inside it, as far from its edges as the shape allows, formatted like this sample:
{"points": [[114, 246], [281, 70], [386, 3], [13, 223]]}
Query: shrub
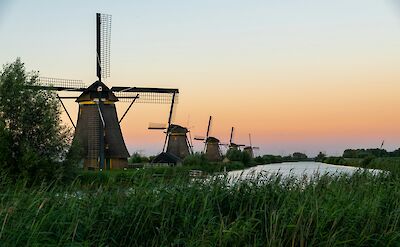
{"points": [[237, 155], [138, 158], [196, 159]]}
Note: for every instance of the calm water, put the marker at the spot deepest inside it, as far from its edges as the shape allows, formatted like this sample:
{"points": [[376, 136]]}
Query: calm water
{"points": [[298, 169]]}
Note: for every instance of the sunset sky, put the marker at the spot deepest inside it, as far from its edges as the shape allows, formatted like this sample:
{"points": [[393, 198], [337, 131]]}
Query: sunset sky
{"points": [[304, 76]]}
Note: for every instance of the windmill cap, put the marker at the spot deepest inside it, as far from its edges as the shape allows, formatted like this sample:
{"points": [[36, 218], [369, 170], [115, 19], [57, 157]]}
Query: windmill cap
{"points": [[93, 91], [173, 128], [212, 139]]}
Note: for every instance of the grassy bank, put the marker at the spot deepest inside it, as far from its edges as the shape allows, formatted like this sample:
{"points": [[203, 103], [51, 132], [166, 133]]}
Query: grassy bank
{"points": [[157, 211], [384, 163]]}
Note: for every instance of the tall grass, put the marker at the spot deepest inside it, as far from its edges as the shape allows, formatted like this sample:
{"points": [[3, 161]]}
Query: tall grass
{"points": [[141, 210]]}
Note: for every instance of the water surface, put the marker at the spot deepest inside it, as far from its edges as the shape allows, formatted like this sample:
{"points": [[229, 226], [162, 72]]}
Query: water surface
{"points": [[297, 169]]}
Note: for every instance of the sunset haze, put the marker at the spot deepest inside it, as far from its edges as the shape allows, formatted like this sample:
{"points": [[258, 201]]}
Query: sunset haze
{"points": [[305, 76]]}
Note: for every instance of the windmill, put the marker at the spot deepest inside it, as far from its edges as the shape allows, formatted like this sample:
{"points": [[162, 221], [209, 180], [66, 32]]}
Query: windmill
{"points": [[250, 149], [232, 145], [98, 128], [176, 145], [211, 150]]}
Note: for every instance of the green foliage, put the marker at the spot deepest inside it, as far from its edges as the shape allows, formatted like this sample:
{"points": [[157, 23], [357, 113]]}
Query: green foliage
{"points": [[365, 162], [335, 160], [134, 209], [297, 156], [33, 143], [363, 153], [138, 158], [259, 160], [271, 159], [238, 155], [320, 157], [391, 164], [196, 159]]}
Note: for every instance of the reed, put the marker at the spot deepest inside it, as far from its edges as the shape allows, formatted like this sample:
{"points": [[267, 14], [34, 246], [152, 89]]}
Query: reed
{"points": [[136, 209]]}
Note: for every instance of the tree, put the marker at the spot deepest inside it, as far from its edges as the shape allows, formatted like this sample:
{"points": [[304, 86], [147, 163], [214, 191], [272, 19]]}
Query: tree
{"points": [[320, 157], [33, 141], [237, 155], [136, 157], [297, 156]]}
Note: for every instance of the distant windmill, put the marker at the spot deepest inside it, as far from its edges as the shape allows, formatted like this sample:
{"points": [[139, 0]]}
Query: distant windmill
{"points": [[212, 150], [231, 144], [250, 149], [98, 129], [176, 147]]}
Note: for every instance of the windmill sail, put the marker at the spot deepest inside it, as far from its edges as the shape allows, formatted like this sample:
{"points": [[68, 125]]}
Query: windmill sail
{"points": [[103, 41]]}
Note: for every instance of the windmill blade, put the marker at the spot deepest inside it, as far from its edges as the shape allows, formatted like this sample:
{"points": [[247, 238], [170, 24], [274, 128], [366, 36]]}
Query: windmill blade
{"points": [[230, 139], [57, 84], [256, 148], [147, 95], [103, 41], [101, 116], [157, 126], [208, 127], [250, 140], [199, 138], [145, 90]]}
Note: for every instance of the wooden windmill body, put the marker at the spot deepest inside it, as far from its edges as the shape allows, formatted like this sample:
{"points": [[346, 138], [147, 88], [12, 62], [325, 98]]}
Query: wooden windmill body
{"points": [[212, 150], [92, 120], [249, 150], [178, 143]]}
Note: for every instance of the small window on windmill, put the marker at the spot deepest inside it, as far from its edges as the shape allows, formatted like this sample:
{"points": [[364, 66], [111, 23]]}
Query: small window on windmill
{"points": [[99, 88]]}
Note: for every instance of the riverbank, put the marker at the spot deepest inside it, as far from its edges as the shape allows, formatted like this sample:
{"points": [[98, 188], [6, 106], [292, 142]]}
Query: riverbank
{"points": [[391, 164]]}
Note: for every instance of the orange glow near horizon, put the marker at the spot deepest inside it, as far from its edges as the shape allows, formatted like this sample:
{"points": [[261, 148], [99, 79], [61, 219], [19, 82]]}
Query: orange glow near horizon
{"points": [[299, 76]]}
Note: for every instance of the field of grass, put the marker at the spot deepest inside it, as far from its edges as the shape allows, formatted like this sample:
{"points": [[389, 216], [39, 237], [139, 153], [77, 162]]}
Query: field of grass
{"points": [[139, 209]]}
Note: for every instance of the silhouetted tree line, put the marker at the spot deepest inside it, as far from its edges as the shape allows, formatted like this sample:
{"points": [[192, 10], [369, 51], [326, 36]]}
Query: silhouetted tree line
{"points": [[271, 159], [375, 152]]}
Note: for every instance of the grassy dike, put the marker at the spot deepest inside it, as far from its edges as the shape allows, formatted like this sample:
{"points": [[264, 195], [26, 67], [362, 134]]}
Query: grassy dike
{"points": [[140, 209], [391, 164]]}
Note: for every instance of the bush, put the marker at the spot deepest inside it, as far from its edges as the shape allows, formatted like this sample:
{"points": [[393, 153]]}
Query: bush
{"points": [[320, 157], [271, 159], [367, 160], [196, 159], [138, 158], [241, 156]]}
